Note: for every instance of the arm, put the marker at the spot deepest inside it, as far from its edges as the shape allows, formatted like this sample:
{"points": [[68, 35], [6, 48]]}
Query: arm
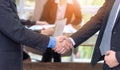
{"points": [[12, 28], [92, 26], [27, 22]]}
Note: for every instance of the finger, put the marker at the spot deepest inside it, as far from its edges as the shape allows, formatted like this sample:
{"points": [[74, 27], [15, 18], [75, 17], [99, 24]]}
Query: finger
{"points": [[62, 51], [62, 38], [66, 45], [58, 49], [58, 45], [63, 44], [107, 53], [69, 43], [69, 46]]}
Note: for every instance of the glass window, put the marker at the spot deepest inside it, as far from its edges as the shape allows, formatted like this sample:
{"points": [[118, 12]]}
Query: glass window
{"points": [[90, 7], [25, 8], [29, 3], [17, 2], [91, 2]]}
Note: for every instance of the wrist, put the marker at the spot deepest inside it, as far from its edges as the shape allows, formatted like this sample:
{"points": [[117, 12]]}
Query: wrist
{"points": [[52, 42], [73, 42]]}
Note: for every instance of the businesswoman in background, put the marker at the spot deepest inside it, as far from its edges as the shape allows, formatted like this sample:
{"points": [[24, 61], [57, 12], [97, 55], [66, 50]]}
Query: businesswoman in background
{"points": [[55, 10]]}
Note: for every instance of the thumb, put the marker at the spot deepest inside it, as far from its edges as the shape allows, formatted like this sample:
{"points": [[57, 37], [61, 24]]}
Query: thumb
{"points": [[107, 53]]}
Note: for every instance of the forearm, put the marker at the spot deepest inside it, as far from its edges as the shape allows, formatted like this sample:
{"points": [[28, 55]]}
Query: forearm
{"points": [[27, 22]]}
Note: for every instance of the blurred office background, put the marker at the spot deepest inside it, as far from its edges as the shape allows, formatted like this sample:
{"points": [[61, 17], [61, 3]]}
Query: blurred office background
{"points": [[28, 9]]}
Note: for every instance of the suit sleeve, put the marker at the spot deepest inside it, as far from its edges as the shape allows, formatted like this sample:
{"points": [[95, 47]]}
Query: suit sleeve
{"points": [[91, 27], [11, 27], [118, 56], [27, 22]]}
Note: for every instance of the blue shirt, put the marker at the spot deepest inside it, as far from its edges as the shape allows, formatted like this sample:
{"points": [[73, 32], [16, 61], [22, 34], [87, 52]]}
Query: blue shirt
{"points": [[52, 42]]}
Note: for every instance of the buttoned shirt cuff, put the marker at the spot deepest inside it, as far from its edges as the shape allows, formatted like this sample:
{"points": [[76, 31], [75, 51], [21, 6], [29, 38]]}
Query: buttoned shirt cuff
{"points": [[52, 42], [73, 42]]}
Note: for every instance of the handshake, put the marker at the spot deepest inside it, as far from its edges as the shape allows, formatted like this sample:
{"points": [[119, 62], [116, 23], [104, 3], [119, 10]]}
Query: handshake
{"points": [[63, 44]]}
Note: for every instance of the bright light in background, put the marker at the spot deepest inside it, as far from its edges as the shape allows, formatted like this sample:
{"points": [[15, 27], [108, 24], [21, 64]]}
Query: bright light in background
{"points": [[80, 2], [91, 2], [89, 7], [85, 2]]}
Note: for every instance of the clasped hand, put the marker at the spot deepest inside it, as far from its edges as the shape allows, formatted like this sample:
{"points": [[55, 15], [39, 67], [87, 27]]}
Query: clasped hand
{"points": [[63, 45], [110, 59]]}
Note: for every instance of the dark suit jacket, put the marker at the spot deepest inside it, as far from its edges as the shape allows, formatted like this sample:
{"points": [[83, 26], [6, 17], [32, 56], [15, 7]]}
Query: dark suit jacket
{"points": [[50, 11], [27, 22], [13, 34], [98, 22]]}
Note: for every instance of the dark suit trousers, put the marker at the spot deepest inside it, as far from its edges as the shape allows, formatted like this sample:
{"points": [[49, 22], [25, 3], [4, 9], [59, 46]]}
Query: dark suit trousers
{"points": [[49, 54]]}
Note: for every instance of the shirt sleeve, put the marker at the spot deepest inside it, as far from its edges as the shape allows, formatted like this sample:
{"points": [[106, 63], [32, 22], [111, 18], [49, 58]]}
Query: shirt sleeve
{"points": [[73, 42], [52, 42]]}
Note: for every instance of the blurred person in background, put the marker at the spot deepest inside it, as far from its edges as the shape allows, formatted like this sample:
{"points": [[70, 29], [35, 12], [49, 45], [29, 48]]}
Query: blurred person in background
{"points": [[55, 10]]}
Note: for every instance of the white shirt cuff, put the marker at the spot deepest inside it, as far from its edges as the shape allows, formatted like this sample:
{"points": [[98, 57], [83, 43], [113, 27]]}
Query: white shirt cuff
{"points": [[73, 42]]}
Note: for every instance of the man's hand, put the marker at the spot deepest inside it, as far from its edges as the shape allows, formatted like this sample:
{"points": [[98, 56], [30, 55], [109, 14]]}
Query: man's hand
{"points": [[63, 45], [110, 59]]}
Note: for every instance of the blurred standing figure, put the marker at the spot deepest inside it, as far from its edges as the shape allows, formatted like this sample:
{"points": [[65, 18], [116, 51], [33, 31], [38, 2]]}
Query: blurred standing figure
{"points": [[55, 10]]}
